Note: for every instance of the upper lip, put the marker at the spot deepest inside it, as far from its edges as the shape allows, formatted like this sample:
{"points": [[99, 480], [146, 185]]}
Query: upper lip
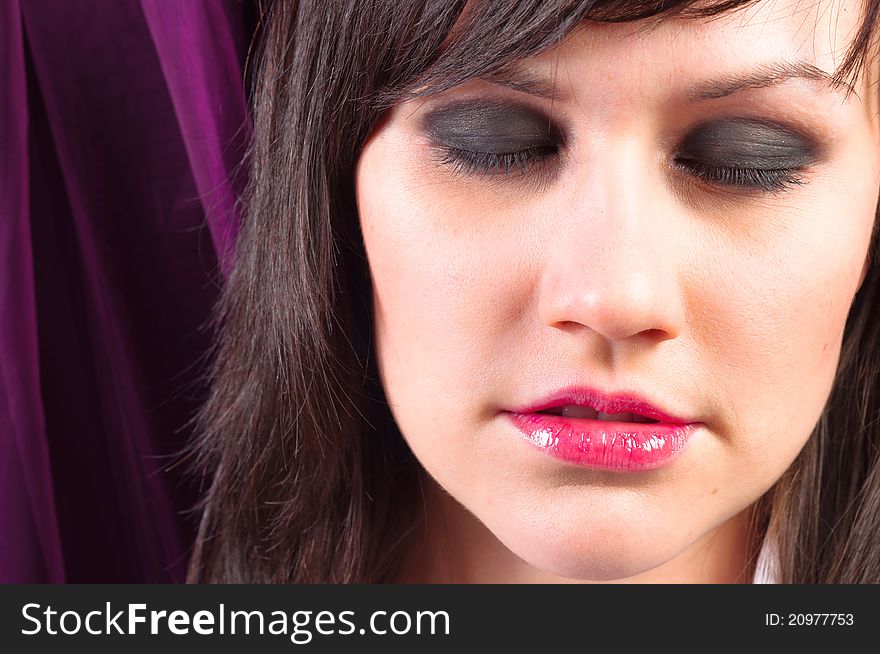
{"points": [[610, 403]]}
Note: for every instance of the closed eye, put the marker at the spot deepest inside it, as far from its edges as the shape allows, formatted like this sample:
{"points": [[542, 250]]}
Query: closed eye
{"points": [[770, 180], [530, 161], [491, 139], [519, 162], [746, 154], [487, 138]]}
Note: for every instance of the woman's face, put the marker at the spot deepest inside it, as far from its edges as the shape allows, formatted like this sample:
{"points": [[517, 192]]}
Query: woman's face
{"points": [[686, 220]]}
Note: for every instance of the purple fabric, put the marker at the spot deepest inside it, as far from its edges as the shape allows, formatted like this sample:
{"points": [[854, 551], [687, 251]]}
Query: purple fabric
{"points": [[121, 128]]}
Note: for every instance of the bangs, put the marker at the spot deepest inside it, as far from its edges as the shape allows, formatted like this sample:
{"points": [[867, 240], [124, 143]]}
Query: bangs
{"points": [[490, 36]]}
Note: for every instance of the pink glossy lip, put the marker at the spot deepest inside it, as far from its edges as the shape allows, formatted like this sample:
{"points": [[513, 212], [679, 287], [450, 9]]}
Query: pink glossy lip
{"points": [[602, 444]]}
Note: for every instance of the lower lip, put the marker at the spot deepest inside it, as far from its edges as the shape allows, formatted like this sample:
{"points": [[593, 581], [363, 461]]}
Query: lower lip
{"points": [[605, 445]]}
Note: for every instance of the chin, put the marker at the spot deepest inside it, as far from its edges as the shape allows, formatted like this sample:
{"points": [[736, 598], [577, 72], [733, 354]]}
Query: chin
{"points": [[583, 564], [599, 553]]}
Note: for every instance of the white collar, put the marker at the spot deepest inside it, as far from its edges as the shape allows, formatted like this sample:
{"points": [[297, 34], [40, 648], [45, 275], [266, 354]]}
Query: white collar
{"points": [[767, 568]]}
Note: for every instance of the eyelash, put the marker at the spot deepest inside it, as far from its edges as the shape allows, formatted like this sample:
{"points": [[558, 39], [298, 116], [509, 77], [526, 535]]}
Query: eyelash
{"points": [[522, 162], [532, 160], [763, 179]]}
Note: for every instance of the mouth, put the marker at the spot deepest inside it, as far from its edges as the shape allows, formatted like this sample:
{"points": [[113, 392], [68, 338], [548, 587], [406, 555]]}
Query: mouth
{"points": [[620, 433], [577, 402], [589, 413]]}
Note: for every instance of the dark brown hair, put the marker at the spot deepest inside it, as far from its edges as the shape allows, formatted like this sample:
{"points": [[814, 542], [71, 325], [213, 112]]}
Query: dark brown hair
{"points": [[308, 478]]}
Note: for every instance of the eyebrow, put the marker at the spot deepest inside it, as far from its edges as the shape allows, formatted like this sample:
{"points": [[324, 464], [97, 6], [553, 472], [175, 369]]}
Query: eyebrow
{"points": [[766, 75], [523, 82], [762, 76]]}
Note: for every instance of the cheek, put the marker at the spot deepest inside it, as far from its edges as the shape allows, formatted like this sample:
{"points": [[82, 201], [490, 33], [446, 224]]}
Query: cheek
{"points": [[444, 300], [770, 326], [450, 301]]}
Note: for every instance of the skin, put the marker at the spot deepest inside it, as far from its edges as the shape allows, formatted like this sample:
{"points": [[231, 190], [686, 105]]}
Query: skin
{"points": [[727, 306]]}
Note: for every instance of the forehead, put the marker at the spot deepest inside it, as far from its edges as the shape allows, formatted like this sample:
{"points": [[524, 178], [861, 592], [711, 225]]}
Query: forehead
{"points": [[616, 65], [817, 33]]}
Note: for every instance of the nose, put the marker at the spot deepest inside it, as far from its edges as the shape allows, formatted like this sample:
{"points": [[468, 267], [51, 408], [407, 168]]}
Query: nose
{"points": [[614, 268]]}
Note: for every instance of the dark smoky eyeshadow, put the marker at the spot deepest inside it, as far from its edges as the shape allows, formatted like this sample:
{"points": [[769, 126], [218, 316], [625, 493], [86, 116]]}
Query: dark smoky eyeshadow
{"points": [[749, 143], [490, 127]]}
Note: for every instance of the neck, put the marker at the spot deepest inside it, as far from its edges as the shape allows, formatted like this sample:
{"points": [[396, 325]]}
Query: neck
{"points": [[453, 546]]}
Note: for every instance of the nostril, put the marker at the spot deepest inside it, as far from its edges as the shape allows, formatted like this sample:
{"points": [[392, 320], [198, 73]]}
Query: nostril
{"points": [[615, 300]]}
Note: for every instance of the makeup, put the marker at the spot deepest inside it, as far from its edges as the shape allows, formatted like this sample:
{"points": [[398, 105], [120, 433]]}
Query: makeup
{"points": [[490, 126], [620, 432], [749, 143], [488, 138]]}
